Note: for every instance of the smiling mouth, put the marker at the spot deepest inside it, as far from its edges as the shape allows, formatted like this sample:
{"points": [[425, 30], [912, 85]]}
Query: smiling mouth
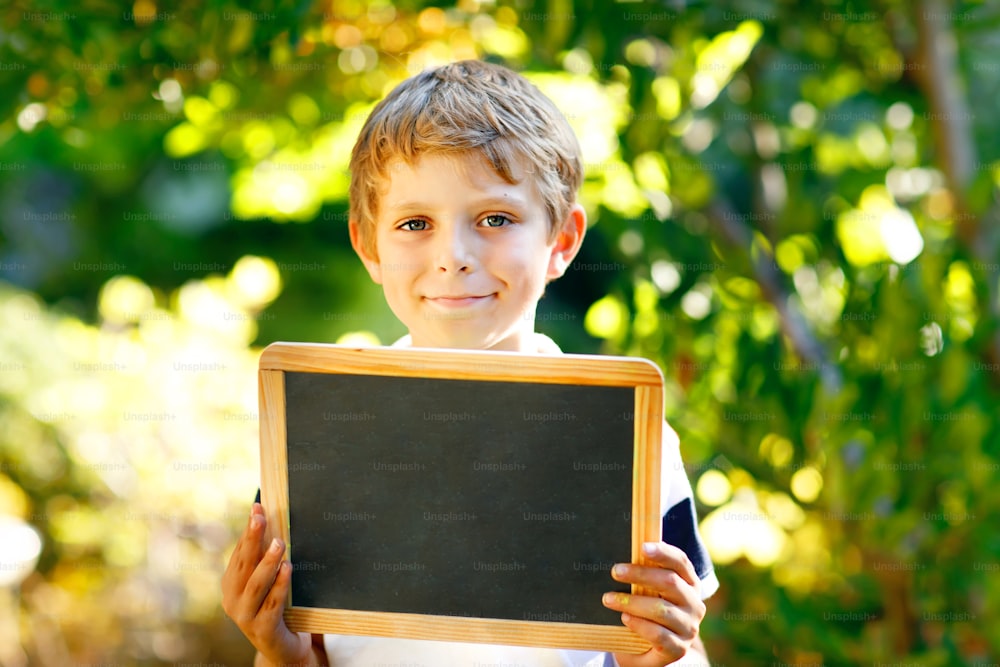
{"points": [[457, 301]]}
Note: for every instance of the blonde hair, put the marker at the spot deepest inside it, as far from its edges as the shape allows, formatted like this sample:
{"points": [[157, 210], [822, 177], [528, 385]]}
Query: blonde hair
{"points": [[467, 107]]}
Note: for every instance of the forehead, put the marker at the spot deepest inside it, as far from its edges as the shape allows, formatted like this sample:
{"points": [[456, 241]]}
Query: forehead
{"points": [[449, 175]]}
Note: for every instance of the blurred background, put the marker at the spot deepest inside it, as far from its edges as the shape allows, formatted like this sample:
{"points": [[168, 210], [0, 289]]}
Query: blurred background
{"points": [[794, 212]]}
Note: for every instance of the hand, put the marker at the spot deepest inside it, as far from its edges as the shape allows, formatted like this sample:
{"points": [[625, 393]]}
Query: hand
{"points": [[669, 621], [254, 589]]}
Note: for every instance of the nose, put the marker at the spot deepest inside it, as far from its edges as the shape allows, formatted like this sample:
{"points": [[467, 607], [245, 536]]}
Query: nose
{"points": [[456, 249]]}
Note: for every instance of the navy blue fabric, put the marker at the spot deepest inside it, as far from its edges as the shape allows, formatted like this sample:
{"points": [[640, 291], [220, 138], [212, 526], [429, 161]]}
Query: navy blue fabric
{"points": [[680, 528]]}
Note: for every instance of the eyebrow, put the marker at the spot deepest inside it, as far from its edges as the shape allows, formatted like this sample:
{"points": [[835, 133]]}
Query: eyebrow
{"points": [[410, 206]]}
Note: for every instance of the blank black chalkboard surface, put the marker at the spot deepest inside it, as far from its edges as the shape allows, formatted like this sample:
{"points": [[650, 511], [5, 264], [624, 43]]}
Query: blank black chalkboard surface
{"points": [[459, 495]]}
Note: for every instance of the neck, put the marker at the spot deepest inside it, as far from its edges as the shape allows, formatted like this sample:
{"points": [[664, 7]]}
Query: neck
{"points": [[534, 343]]}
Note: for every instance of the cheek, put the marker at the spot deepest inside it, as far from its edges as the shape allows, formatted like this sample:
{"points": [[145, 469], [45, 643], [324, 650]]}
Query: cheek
{"points": [[524, 258]]}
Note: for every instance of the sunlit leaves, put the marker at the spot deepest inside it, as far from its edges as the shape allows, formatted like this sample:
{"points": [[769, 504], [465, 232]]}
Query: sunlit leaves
{"points": [[156, 415], [740, 528], [304, 110], [255, 282], [829, 90], [806, 484], [504, 40], [821, 294], [646, 322], [595, 111], [878, 230], [713, 488], [14, 502], [20, 546], [124, 299], [184, 140], [651, 172], [293, 183], [720, 59], [606, 318], [810, 131], [200, 111], [777, 450], [806, 562], [359, 339], [667, 91]]}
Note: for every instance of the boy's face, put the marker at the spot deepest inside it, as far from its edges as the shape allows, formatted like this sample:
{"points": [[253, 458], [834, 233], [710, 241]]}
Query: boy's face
{"points": [[464, 256]]}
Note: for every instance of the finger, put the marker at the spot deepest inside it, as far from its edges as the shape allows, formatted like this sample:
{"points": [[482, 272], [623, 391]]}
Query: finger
{"points": [[250, 542], [681, 621], [269, 623], [260, 582], [662, 640], [669, 584], [273, 607], [672, 558], [257, 530], [669, 557], [247, 554]]}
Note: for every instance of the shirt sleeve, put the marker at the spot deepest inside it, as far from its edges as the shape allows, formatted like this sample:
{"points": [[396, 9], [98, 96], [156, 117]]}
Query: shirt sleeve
{"points": [[680, 520]]}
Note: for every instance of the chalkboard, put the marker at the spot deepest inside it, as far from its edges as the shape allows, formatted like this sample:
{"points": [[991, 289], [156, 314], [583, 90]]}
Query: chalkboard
{"points": [[470, 496]]}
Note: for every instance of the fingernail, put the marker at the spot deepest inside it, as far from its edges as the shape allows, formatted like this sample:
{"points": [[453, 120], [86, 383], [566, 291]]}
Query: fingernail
{"points": [[275, 546], [620, 570], [650, 548], [615, 598]]}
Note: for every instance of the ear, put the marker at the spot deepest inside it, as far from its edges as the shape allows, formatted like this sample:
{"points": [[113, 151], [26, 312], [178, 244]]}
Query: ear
{"points": [[568, 241], [371, 263]]}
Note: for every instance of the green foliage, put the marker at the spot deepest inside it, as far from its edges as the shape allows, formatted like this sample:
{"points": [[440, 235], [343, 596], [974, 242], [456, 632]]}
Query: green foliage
{"points": [[794, 213]]}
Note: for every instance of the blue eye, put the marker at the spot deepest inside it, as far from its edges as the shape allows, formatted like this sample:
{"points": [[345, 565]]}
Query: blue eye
{"points": [[414, 225], [496, 220]]}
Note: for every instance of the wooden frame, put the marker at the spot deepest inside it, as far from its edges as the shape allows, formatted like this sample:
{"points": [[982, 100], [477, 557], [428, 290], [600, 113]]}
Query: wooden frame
{"points": [[641, 374]]}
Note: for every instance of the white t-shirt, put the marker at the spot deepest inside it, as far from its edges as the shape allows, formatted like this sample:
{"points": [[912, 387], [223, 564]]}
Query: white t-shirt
{"points": [[382, 652], [680, 528]]}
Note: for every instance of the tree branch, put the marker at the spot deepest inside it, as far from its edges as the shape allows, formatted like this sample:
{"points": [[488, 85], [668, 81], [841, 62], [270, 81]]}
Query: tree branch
{"points": [[951, 123], [793, 322], [937, 53]]}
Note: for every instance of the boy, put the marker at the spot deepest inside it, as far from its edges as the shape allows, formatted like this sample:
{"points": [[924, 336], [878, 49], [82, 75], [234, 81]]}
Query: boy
{"points": [[463, 206]]}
